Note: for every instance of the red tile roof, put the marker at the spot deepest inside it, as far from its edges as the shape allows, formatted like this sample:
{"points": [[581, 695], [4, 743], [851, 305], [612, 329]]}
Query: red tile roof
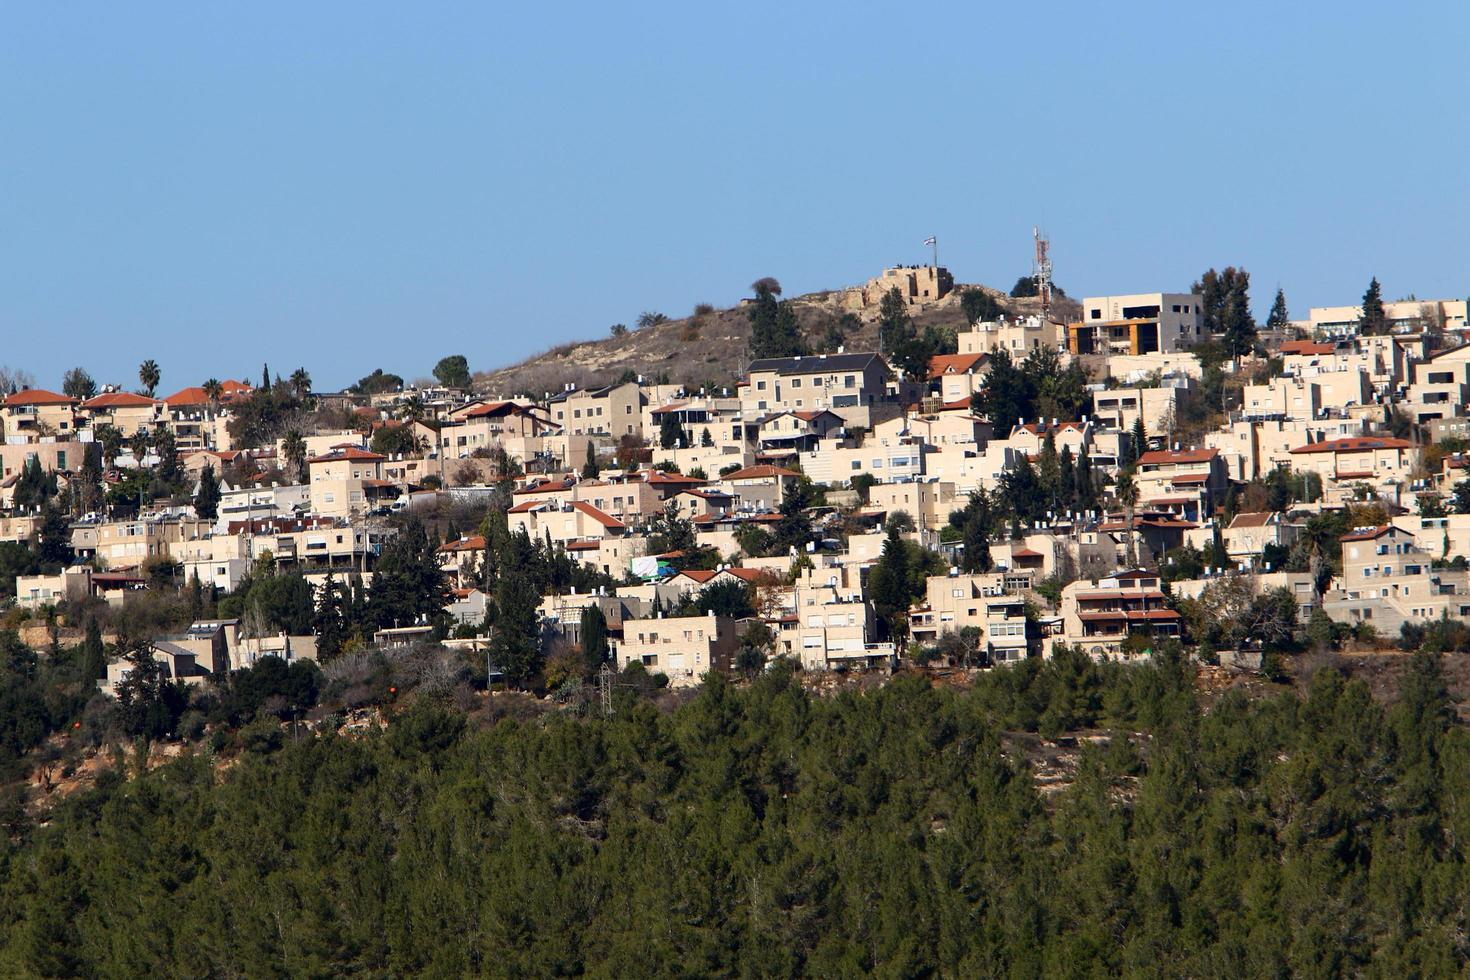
{"points": [[38, 396], [119, 399], [1354, 444], [1367, 533], [605, 519], [1162, 456], [942, 364], [472, 543]]}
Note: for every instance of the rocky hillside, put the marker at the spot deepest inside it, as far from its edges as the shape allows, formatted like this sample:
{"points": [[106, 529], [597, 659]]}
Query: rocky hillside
{"points": [[711, 349]]}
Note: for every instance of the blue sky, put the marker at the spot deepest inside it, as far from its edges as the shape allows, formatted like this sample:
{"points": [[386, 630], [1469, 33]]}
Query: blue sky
{"points": [[348, 185]]}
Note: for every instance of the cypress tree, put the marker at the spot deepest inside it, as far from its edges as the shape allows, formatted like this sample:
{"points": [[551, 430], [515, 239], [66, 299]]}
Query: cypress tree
{"points": [[93, 655], [594, 636], [206, 501]]}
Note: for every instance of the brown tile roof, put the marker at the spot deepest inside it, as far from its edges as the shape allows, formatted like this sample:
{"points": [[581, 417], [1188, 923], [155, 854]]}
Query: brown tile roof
{"points": [[942, 364], [1366, 533], [1352, 444], [757, 472]]}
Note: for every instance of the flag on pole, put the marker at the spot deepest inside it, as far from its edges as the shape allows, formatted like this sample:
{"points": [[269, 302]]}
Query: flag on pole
{"points": [[931, 240]]}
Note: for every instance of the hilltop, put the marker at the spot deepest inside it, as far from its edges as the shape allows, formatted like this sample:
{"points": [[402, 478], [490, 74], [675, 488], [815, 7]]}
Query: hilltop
{"points": [[710, 347]]}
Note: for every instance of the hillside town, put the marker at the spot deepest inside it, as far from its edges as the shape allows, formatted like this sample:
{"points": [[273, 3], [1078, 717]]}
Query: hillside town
{"points": [[1158, 468]]}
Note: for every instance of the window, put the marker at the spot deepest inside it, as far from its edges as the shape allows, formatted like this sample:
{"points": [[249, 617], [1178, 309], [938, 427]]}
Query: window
{"points": [[796, 382], [816, 382], [760, 386], [1096, 314], [849, 382]]}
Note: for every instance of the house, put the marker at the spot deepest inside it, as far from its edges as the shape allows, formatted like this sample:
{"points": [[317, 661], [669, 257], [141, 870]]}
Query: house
{"points": [[957, 376], [1019, 336], [27, 416], [1120, 408], [347, 481], [1100, 615], [683, 648], [126, 411], [825, 629], [981, 601], [614, 410]]}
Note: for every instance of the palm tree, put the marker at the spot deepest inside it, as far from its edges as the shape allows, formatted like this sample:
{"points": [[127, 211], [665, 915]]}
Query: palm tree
{"points": [[293, 447], [301, 383], [149, 375], [110, 437], [139, 443], [1126, 490], [412, 409], [213, 390]]}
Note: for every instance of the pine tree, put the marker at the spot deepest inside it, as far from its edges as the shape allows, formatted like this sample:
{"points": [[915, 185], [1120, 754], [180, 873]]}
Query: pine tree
{"points": [[1139, 438], [1373, 321], [1278, 318], [590, 469], [1049, 469]]}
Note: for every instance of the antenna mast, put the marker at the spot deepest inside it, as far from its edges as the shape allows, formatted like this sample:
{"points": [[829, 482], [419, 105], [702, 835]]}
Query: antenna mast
{"points": [[1042, 271]]}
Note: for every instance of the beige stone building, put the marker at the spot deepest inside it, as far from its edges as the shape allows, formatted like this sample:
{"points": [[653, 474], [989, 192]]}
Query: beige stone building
{"points": [[683, 648], [981, 601], [919, 285], [613, 411], [1120, 408], [855, 386], [346, 481], [1019, 337], [1403, 316], [28, 416], [1099, 615], [126, 411]]}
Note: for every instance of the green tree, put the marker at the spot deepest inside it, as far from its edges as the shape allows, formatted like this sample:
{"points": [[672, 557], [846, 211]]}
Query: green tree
{"points": [[1007, 397], [408, 585], [590, 469], [979, 306], [453, 371], [293, 449], [1126, 490], [515, 634], [1278, 318], [1373, 320], [300, 383], [774, 330], [1225, 304], [206, 499], [149, 375], [378, 383], [93, 655], [593, 632], [78, 384], [671, 434]]}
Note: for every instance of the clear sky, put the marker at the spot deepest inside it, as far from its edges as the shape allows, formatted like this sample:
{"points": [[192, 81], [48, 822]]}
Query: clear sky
{"points": [[348, 185]]}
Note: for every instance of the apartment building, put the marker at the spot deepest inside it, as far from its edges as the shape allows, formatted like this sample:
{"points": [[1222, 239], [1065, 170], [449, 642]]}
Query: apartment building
{"points": [[855, 386], [1099, 615], [1138, 323], [614, 410], [683, 648]]}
